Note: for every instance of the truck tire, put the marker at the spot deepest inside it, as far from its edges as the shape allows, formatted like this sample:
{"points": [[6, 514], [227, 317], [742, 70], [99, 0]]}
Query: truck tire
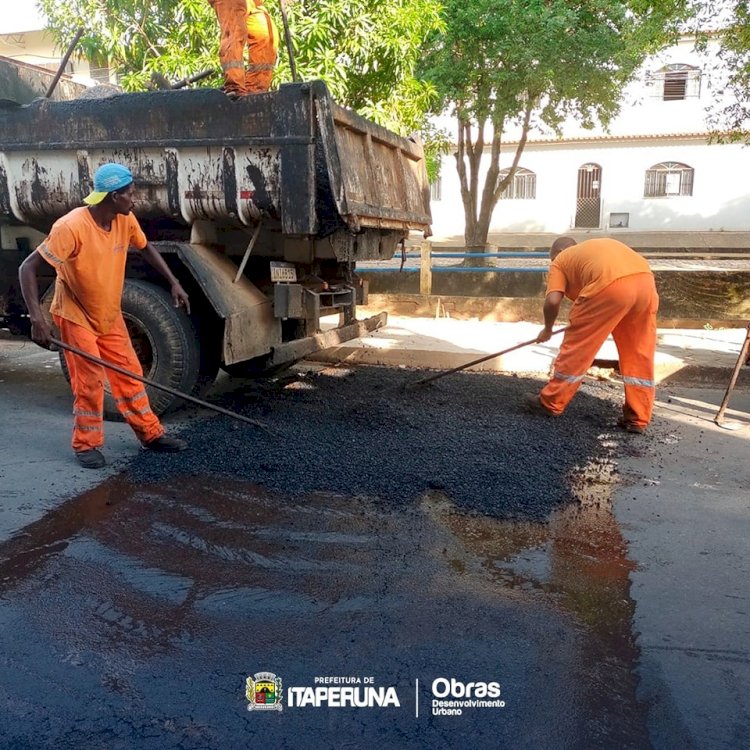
{"points": [[167, 345]]}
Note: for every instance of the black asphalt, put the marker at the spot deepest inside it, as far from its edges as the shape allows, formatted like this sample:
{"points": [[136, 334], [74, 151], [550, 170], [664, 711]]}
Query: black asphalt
{"points": [[378, 532], [360, 432]]}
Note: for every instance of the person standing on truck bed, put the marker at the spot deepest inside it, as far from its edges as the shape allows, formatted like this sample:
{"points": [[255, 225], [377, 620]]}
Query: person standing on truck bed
{"points": [[613, 291], [88, 249], [262, 47], [246, 23]]}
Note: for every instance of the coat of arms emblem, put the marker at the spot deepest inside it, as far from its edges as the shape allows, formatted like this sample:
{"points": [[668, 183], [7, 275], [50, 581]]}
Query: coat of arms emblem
{"points": [[263, 691]]}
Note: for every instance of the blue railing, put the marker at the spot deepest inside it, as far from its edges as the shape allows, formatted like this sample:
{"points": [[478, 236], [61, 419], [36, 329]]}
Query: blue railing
{"points": [[453, 269], [427, 266], [511, 254]]}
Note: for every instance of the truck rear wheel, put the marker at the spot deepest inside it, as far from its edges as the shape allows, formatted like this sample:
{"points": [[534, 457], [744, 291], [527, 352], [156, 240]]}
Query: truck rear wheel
{"points": [[166, 343]]}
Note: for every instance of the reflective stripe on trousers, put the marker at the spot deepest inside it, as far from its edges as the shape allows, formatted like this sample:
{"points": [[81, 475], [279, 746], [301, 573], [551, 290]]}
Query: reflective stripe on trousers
{"points": [[568, 378], [639, 381]]}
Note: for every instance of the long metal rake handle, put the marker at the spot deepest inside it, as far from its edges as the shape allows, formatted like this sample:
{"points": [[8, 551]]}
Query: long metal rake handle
{"points": [[424, 381], [159, 386], [741, 359]]}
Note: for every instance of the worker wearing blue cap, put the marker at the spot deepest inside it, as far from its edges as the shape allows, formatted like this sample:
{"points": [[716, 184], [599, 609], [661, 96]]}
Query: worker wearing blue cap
{"points": [[107, 179], [88, 249]]}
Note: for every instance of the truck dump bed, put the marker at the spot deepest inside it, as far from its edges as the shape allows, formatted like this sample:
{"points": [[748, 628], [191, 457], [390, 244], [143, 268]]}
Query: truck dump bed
{"points": [[293, 158], [261, 207]]}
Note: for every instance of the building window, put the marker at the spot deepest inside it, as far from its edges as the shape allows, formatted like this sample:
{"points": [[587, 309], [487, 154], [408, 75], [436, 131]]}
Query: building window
{"points": [[436, 189], [676, 82], [675, 85], [521, 187], [668, 179]]}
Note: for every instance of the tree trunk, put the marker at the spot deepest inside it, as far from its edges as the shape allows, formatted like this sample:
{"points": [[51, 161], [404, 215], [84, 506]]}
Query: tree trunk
{"points": [[479, 203]]}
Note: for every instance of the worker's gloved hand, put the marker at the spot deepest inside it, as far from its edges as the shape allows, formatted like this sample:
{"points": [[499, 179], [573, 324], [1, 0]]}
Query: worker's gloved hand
{"points": [[180, 297], [41, 334], [544, 335]]}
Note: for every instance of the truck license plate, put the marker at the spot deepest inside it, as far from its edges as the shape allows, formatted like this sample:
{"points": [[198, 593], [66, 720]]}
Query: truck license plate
{"points": [[283, 271]]}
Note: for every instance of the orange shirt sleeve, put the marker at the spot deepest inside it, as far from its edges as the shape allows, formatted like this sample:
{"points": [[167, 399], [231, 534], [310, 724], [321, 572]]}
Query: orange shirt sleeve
{"points": [[137, 237], [556, 280], [59, 245]]}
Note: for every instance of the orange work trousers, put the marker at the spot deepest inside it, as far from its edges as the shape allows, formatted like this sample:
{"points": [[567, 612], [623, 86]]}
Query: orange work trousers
{"points": [[262, 48], [627, 309], [232, 17], [87, 382]]}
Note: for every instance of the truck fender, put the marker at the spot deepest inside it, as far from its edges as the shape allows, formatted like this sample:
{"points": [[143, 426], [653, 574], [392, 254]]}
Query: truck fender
{"points": [[250, 328]]}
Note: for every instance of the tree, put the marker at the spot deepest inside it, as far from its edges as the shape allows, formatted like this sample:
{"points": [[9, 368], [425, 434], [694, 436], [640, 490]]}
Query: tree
{"points": [[366, 51], [136, 38], [505, 65], [730, 20]]}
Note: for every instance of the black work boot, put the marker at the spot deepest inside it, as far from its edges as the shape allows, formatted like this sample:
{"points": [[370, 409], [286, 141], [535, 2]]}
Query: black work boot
{"points": [[531, 404], [166, 444], [628, 426], [91, 459]]}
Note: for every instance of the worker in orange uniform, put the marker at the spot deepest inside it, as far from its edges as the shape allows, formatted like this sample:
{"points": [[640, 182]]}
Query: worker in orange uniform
{"points": [[88, 248], [232, 18], [613, 291], [262, 48], [246, 22]]}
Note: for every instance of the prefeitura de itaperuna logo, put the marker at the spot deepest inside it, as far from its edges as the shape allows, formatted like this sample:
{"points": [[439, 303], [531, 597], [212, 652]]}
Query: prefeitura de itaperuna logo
{"points": [[263, 691]]}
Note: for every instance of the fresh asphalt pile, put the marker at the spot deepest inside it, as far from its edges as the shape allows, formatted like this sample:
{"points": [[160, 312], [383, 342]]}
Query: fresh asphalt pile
{"points": [[359, 432]]}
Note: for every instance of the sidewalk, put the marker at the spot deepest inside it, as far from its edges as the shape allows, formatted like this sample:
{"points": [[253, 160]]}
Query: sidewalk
{"points": [[683, 355]]}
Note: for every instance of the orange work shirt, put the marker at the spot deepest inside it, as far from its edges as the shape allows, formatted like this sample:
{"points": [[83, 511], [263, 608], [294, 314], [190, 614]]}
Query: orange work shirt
{"points": [[583, 270], [90, 266]]}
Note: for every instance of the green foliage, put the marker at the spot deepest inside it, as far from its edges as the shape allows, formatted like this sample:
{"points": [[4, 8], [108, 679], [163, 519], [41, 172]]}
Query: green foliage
{"points": [[365, 51], [504, 63], [731, 119], [138, 37]]}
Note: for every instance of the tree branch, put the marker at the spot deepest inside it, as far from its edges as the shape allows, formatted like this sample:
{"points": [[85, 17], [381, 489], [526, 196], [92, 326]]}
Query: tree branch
{"points": [[519, 150]]}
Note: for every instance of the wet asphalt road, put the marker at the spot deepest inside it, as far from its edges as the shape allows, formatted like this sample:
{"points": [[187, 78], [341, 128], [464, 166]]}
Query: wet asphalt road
{"points": [[139, 613], [375, 533]]}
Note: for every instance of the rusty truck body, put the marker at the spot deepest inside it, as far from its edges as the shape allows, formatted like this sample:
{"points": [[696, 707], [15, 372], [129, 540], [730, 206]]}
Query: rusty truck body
{"points": [[262, 208]]}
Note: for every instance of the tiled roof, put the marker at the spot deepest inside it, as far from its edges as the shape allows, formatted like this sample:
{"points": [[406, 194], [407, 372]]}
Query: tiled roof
{"points": [[695, 136]]}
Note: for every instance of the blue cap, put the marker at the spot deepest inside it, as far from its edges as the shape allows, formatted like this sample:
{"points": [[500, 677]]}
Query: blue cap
{"points": [[107, 178]]}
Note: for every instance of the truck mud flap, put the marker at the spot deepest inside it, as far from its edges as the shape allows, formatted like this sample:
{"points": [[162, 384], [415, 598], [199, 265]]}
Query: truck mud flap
{"points": [[301, 348]]}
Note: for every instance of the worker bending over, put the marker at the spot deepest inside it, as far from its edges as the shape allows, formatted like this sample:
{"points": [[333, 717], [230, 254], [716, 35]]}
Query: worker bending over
{"points": [[246, 23], [613, 291], [88, 248]]}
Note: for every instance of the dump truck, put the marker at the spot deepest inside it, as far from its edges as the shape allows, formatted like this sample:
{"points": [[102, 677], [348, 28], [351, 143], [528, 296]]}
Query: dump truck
{"points": [[261, 207]]}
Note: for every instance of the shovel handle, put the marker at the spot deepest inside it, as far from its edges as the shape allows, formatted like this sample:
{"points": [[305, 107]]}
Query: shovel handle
{"points": [[741, 359]]}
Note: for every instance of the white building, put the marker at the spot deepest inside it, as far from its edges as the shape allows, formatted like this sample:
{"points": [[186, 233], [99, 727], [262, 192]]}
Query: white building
{"points": [[654, 170], [23, 38]]}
